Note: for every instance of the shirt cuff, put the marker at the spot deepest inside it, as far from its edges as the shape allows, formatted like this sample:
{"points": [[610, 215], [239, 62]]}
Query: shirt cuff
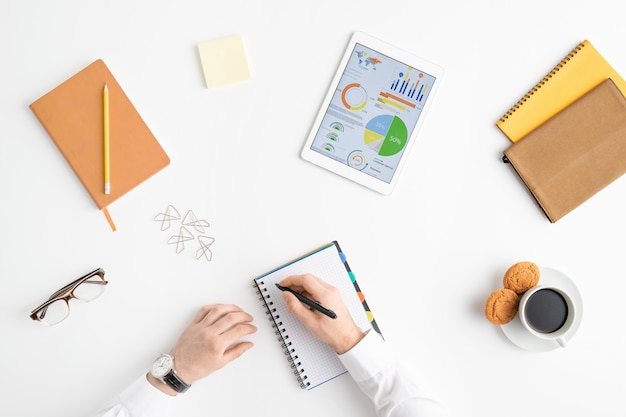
{"points": [[368, 358], [142, 399]]}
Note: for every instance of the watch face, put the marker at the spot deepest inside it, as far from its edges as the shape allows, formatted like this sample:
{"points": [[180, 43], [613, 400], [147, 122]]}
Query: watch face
{"points": [[162, 366]]}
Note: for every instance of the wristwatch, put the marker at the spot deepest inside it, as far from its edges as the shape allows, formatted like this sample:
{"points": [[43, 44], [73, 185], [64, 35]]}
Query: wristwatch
{"points": [[163, 369]]}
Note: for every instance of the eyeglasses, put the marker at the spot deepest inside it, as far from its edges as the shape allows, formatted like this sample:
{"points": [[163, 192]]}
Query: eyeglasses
{"points": [[57, 308]]}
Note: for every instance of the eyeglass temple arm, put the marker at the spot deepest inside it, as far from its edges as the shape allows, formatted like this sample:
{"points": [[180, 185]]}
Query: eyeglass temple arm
{"points": [[64, 289], [73, 283]]}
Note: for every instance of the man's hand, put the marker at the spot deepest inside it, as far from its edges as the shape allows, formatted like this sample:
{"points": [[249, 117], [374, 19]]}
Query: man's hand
{"points": [[342, 334], [209, 342]]}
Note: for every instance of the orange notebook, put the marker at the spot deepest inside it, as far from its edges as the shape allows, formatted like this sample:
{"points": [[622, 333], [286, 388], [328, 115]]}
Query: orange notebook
{"points": [[581, 70], [72, 114]]}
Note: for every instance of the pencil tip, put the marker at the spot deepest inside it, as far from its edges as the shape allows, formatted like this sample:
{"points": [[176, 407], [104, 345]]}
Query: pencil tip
{"points": [[106, 88]]}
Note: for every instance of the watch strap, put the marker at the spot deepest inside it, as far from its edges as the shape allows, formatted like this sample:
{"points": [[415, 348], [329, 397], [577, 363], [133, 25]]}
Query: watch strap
{"points": [[174, 382]]}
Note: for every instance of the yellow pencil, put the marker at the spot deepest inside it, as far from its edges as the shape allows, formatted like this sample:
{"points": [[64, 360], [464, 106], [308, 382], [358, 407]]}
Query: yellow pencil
{"points": [[107, 168]]}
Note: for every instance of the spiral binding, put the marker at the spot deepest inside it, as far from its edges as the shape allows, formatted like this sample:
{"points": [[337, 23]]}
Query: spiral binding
{"points": [[541, 83], [283, 338]]}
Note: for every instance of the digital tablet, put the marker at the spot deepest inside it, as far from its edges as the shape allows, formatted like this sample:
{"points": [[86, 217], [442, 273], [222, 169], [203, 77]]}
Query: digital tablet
{"points": [[370, 117]]}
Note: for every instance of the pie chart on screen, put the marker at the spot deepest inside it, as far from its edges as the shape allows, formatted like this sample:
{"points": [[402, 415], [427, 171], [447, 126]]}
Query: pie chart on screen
{"points": [[386, 134]]}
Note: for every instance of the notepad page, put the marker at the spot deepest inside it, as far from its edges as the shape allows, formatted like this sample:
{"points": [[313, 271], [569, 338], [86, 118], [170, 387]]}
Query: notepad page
{"points": [[314, 360]]}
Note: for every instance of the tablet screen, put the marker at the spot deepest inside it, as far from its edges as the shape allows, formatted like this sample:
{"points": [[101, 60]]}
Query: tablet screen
{"points": [[373, 112]]}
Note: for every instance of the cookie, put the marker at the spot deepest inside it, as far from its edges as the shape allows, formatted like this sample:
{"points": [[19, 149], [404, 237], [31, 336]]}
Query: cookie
{"points": [[521, 276], [501, 306]]}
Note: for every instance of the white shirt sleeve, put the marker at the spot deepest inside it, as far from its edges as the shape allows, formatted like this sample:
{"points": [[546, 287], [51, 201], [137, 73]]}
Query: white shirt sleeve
{"points": [[374, 368], [371, 363], [140, 399]]}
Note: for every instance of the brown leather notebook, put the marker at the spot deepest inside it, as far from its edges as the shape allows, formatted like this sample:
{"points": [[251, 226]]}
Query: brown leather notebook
{"points": [[72, 114], [576, 153]]}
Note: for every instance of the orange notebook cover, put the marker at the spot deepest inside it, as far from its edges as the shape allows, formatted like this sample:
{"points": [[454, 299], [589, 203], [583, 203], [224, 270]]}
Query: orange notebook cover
{"points": [[580, 71], [72, 114]]}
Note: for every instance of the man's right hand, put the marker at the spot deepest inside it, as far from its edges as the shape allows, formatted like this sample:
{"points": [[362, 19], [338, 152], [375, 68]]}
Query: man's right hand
{"points": [[342, 333]]}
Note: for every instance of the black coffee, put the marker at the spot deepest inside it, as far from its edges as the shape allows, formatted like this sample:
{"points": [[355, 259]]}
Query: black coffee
{"points": [[546, 311]]}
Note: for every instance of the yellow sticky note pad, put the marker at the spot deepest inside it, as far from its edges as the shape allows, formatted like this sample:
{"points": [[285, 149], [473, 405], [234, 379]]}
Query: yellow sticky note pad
{"points": [[224, 61]]}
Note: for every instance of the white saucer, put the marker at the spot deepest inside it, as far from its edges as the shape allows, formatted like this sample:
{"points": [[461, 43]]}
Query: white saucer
{"points": [[516, 332]]}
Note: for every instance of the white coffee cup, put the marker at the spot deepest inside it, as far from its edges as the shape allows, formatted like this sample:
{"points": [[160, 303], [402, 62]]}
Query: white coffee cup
{"points": [[548, 313]]}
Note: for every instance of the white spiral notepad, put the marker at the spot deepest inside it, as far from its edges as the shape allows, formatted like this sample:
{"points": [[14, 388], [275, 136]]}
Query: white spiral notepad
{"points": [[313, 361]]}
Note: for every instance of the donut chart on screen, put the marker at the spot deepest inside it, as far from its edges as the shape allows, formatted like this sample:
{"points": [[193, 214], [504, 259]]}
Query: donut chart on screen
{"points": [[386, 134], [354, 97], [357, 160]]}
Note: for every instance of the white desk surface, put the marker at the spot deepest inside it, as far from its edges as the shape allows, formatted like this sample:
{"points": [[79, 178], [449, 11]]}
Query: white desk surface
{"points": [[427, 256]]}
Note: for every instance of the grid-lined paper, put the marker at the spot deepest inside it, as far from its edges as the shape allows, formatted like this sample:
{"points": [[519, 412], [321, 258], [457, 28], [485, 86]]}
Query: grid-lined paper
{"points": [[315, 361]]}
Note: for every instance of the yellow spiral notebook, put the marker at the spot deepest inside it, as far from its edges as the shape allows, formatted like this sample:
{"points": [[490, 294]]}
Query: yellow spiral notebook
{"points": [[580, 71]]}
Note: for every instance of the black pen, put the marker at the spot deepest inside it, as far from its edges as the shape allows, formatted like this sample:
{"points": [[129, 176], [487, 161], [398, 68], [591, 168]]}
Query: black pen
{"points": [[313, 304]]}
